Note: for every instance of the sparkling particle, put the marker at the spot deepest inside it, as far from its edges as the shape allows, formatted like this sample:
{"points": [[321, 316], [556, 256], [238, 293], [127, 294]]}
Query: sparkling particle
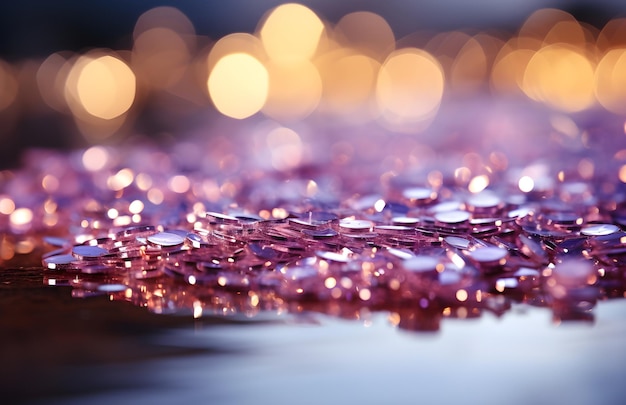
{"points": [[526, 184], [478, 184], [21, 216], [277, 220]]}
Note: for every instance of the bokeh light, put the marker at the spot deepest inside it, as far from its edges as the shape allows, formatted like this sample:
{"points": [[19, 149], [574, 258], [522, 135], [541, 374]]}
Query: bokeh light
{"points": [[238, 85], [295, 91], [106, 87], [610, 81], [561, 76], [296, 66], [51, 77], [366, 32], [291, 33], [410, 87], [349, 81], [164, 40]]}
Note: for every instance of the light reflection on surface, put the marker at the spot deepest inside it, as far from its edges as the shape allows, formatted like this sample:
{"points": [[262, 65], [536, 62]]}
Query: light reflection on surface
{"points": [[573, 363]]}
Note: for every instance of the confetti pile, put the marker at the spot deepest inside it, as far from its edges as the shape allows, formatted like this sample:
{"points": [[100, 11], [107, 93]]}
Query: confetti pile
{"points": [[271, 219]]}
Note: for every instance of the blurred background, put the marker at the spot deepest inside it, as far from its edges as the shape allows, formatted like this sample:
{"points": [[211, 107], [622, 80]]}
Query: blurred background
{"points": [[74, 74]]}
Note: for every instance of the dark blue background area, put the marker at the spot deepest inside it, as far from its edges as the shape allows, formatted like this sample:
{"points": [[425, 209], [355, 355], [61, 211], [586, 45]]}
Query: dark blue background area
{"points": [[40, 27]]}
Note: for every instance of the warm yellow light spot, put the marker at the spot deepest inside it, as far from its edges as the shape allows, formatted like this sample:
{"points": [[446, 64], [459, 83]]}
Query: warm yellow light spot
{"points": [[562, 77], [122, 220], [7, 250], [112, 213], [106, 87], [507, 73], [330, 283], [567, 31], [163, 16], [143, 181], [197, 309], [541, 22], [613, 35], [135, 207], [238, 42], [51, 77], [410, 86], [291, 33], [295, 91], [238, 85], [478, 184], [21, 216], [610, 81], [7, 206], [346, 282], [526, 184], [394, 318], [164, 39], [622, 174], [323, 266], [462, 174], [155, 196], [479, 295], [365, 294], [179, 184], [469, 69], [280, 213], [121, 179], [95, 158], [191, 218], [367, 32], [285, 148], [462, 295], [348, 83], [50, 183]]}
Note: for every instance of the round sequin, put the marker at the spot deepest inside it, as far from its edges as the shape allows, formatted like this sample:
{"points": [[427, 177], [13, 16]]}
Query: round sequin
{"points": [[88, 252], [599, 230], [166, 239]]}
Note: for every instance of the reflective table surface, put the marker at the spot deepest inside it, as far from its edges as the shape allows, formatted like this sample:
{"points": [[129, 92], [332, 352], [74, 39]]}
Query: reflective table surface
{"points": [[58, 350]]}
